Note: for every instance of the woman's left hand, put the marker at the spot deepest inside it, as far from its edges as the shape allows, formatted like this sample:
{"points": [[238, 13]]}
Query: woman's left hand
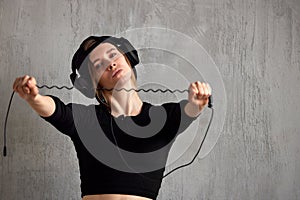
{"points": [[198, 94]]}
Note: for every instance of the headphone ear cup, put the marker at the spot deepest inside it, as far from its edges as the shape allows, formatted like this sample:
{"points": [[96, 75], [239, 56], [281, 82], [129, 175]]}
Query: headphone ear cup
{"points": [[133, 58], [130, 52], [84, 86]]}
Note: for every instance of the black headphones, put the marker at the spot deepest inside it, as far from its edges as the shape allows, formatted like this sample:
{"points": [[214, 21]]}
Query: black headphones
{"points": [[80, 76]]}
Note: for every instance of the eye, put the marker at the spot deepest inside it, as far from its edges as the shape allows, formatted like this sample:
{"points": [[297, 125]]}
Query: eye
{"points": [[112, 55], [98, 66]]}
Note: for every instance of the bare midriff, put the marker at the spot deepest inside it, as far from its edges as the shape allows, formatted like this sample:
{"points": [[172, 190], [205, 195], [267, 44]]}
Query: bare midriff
{"points": [[114, 197]]}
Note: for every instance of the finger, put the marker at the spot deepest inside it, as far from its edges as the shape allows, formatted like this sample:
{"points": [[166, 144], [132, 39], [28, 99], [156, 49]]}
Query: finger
{"points": [[193, 89], [33, 80], [25, 90], [203, 89], [24, 80], [200, 89], [24, 85], [206, 89], [16, 83], [35, 91], [19, 85], [19, 82], [32, 85]]}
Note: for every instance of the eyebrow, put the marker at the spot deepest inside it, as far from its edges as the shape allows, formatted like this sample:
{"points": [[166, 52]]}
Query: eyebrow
{"points": [[113, 48]]}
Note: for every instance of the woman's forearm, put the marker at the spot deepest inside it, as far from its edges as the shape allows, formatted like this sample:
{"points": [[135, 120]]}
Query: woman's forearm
{"points": [[43, 105], [192, 110]]}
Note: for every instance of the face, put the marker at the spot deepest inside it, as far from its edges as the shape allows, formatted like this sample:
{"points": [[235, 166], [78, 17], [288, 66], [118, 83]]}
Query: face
{"points": [[108, 66]]}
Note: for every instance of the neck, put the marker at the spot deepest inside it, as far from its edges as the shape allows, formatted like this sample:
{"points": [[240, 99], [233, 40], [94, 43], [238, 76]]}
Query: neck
{"points": [[125, 103]]}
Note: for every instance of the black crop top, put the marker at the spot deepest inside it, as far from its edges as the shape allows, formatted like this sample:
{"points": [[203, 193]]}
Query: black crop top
{"points": [[140, 171]]}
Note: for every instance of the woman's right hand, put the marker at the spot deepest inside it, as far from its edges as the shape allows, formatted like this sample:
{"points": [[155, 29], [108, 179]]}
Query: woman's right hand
{"points": [[26, 87]]}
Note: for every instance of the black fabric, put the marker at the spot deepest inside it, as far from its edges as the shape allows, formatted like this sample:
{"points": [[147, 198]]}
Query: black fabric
{"points": [[97, 177]]}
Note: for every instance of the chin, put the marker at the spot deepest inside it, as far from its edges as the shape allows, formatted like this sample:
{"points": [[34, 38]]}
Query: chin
{"points": [[124, 80]]}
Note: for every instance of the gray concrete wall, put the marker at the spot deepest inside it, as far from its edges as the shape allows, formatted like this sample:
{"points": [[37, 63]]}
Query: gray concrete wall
{"points": [[255, 45]]}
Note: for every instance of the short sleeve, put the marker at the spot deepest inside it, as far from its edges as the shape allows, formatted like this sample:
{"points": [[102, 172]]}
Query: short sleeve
{"points": [[177, 120], [62, 118]]}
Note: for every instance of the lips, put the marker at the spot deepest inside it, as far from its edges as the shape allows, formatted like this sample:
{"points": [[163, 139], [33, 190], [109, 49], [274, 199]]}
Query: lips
{"points": [[116, 72]]}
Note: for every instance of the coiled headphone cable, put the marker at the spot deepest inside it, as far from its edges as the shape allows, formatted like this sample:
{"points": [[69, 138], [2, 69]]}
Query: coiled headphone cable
{"points": [[127, 90]]}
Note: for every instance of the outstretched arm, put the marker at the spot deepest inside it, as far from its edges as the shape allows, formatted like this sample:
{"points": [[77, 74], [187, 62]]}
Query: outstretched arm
{"points": [[26, 88], [198, 98]]}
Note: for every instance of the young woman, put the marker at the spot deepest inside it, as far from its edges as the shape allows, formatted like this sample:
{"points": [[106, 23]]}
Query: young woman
{"points": [[104, 67]]}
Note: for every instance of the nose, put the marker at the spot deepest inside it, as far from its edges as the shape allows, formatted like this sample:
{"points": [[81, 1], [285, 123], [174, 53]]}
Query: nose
{"points": [[112, 65]]}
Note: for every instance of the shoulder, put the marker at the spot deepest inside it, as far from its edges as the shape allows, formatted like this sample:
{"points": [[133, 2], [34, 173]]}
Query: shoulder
{"points": [[74, 107]]}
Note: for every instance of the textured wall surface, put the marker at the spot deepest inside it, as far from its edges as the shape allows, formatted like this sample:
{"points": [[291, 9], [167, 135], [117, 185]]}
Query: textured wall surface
{"points": [[254, 43]]}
